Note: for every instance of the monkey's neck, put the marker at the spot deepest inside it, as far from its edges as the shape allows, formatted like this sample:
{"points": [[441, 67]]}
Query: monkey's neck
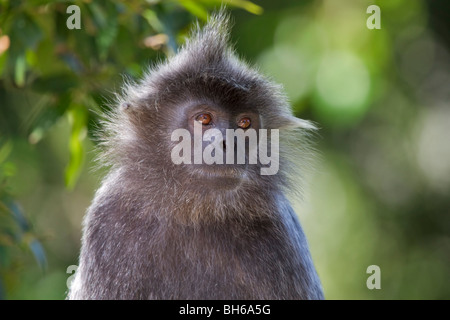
{"points": [[222, 206], [194, 206]]}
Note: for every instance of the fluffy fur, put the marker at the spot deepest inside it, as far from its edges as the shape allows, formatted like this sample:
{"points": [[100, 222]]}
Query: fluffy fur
{"points": [[155, 232]]}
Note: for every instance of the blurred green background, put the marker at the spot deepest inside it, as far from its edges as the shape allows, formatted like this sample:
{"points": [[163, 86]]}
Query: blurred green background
{"points": [[380, 194]]}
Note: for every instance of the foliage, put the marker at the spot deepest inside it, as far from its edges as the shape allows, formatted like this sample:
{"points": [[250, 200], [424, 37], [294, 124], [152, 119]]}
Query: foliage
{"points": [[16, 233]]}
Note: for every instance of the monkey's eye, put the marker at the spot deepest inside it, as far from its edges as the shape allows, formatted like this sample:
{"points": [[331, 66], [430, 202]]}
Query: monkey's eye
{"points": [[244, 123], [203, 118]]}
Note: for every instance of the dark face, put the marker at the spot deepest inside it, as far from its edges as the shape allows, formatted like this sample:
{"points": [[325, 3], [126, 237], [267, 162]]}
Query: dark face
{"points": [[209, 116], [217, 158]]}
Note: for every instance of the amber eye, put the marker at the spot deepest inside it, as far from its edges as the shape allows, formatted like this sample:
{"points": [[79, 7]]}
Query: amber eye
{"points": [[204, 118], [244, 123]]}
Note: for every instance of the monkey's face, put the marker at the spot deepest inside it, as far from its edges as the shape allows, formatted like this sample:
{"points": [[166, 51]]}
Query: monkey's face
{"points": [[210, 128], [215, 144], [205, 141]]}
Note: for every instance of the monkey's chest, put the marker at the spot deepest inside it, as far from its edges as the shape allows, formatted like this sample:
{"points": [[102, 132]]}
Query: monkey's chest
{"points": [[218, 264]]}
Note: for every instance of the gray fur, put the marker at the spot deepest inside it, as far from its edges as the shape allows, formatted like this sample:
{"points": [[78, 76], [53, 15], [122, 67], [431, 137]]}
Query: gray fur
{"points": [[154, 231]]}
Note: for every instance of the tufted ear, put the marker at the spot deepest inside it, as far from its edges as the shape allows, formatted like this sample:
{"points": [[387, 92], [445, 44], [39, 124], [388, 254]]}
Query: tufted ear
{"points": [[125, 106], [291, 122]]}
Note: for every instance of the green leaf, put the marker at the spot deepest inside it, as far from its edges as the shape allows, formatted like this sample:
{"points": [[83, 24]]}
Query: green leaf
{"points": [[48, 117], [78, 119], [5, 150], [3, 59], [56, 83], [9, 169], [125, 53], [19, 70], [195, 8], [153, 20], [246, 5], [25, 32], [31, 58], [47, 61], [243, 4], [105, 18]]}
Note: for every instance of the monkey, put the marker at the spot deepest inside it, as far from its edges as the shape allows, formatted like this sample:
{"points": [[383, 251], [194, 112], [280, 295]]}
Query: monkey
{"points": [[163, 230]]}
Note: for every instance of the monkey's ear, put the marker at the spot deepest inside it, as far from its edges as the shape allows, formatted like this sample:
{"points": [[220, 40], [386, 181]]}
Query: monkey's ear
{"points": [[129, 107], [291, 122], [125, 106]]}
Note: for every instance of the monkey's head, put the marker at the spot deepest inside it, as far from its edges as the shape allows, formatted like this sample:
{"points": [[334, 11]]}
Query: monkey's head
{"points": [[172, 131]]}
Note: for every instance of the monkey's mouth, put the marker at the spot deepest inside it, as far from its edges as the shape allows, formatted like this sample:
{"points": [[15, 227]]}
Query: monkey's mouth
{"points": [[224, 171], [222, 175]]}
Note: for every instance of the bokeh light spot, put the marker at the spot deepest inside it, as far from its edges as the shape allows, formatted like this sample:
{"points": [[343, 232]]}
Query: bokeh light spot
{"points": [[342, 86]]}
